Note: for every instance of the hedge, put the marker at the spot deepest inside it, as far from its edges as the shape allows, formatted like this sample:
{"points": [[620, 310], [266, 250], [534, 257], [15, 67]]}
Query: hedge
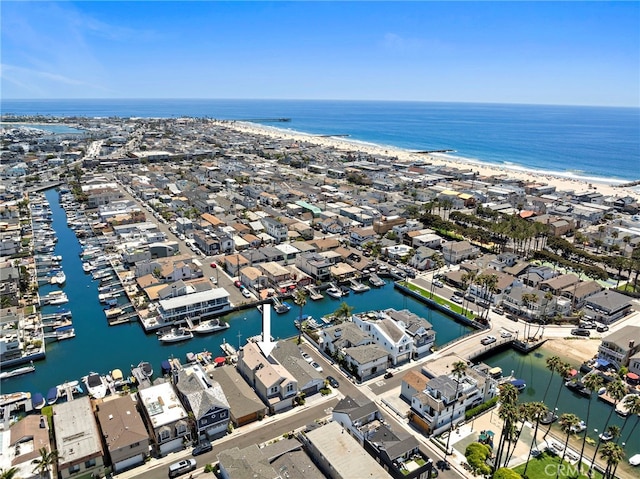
{"points": [[481, 408]]}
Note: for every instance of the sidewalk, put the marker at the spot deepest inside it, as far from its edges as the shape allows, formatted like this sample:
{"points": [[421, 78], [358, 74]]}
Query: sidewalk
{"points": [[170, 458]]}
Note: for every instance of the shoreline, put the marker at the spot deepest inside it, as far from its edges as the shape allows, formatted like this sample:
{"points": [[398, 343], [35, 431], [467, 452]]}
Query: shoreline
{"points": [[561, 181], [572, 349]]}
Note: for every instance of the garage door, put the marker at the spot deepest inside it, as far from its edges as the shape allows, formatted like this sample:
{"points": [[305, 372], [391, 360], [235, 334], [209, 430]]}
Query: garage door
{"points": [[132, 461]]}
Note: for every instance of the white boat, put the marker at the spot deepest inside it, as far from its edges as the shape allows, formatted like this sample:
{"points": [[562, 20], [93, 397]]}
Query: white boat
{"points": [[578, 428], [621, 407], [96, 385], [634, 460], [376, 281], [58, 278], [17, 372], [146, 369], [210, 326], [175, 335], [334, 292], [605, 436], [55, 297], [358, 287]]}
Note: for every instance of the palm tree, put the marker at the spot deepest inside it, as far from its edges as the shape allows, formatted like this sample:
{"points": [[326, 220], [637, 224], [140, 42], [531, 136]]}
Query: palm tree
{"points": [[616, 390], [458, 370], [300, 299], [613, 454], [567, 421], [46, 460], [632, 403], [509, 415], [344, 311], [562, 369], [592, 382], [552, 365], [537, 410], [524, 415], [10, 473]]}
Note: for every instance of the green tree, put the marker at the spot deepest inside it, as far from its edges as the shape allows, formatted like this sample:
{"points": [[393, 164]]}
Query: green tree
{"points": [[504, 473], [567, 422], [592, 382], [537, 410], [343, 312], [632, 403], [552, 365], [11, 473], [509, 414], [613, 454], [458, 370], [616, 390], [42, 465]]}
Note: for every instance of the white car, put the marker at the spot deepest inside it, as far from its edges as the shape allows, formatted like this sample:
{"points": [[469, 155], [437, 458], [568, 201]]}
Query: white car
{"points": [[306, 357], [316, 366], [213, 280], [505, 334], [488, 340], [246, 293]]}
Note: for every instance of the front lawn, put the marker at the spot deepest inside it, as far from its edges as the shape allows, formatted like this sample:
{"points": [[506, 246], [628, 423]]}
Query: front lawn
{"points": [[548, 465]]}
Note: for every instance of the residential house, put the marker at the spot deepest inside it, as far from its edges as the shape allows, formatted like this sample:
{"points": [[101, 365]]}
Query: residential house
{"points": [[619, 346], [388, 334], [26, 438], [275, 229], [77, 439], [367, 361], [245, 405], [457, 251], [361, 236], [341, 336], [124, 432], [315, 265], [273, 383], [418, 329], [167, 420], [204, 398], [607, 306], [339, 455]]}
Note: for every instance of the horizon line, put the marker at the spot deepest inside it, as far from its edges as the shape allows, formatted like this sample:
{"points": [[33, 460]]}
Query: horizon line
{"points": [[320, 100]]}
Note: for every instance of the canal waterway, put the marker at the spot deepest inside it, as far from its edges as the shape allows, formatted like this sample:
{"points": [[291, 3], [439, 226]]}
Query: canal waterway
{"points": [[101, 348], [533, 370]]}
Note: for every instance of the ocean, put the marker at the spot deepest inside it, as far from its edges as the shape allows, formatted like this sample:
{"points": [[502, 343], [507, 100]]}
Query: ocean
{"points": [[590, 143]]}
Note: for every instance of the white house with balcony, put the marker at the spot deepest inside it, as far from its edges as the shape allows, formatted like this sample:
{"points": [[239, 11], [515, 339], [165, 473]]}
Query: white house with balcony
{"points": [[388, 334], [166, 418]]}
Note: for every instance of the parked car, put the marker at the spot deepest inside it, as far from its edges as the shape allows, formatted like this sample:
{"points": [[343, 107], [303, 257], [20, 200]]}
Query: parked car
{"points": [[505, 334], [306, 357], [438, 284], [213, 280], [456, 299], [213, 265], [316, 366], [333, 382], [512, 317], [246, 293], [201, 448], [388, 375], [499, 311], [182, 467], [488, 340], [237, 283], [602, 328], [470, 298], [580, 332]]}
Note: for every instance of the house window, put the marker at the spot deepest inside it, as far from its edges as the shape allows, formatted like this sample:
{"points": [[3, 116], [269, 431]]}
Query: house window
{"points": [[289, 388], [74, 469], [135, 444], [181, 428], [90, 463], [164, 435], [273, 390]]}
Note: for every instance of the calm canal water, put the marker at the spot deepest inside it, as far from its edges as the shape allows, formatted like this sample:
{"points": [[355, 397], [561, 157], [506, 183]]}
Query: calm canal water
{"points": [[532, 368], [100, 348]]}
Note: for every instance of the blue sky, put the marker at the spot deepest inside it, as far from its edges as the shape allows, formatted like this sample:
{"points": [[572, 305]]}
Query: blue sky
{"points": [[570, 53]]}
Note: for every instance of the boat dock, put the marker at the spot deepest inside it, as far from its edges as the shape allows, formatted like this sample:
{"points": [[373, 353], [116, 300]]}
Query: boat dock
{"points": [[141, 378], [314, 294]]}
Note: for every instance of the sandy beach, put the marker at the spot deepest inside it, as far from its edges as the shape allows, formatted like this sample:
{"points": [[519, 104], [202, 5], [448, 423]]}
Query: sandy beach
{"points": [[561, 183], [575, 351]]}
